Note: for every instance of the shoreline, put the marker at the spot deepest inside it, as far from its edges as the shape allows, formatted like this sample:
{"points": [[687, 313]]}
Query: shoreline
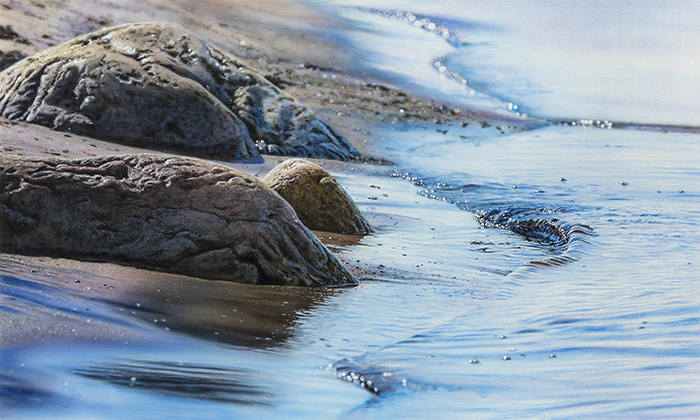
{"points": [[313, 71]]}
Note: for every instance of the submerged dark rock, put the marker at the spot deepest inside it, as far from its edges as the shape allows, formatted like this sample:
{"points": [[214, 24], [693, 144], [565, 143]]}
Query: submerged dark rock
{"points": [[167, 213], [319, 201], [157, 85]]}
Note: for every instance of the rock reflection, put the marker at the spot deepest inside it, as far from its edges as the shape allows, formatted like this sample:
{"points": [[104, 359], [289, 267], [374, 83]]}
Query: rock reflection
{"points": [[119, 297], [255, 316], [182, 380]]}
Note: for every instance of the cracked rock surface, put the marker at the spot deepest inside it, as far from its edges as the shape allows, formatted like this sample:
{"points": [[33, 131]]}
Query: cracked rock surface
{"points": [[317, 197], [171, 214], [157, 85]]}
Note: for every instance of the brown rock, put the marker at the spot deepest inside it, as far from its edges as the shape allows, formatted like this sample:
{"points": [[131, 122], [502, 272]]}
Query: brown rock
{"points": [[157, 85], [167, 213], [320, 202]]}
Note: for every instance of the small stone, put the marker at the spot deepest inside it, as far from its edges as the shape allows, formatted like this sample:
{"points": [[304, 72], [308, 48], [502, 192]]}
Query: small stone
{"points": [[319, 201]]}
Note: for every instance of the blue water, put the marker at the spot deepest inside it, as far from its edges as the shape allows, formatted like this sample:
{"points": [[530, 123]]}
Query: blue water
{"points": [[592, 60], [459, 314]]}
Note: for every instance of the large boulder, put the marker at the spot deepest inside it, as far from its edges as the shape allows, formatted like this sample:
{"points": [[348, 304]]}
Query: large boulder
{"points": [[317, 197], [172, 214], [157, 85]]}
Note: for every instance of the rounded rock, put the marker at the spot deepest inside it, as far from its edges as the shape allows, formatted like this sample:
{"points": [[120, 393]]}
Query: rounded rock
{"points": [[156, 85], [167, 213], [317, 197]]}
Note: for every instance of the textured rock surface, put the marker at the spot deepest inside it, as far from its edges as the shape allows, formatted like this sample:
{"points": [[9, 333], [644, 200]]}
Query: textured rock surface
{"points": [[166, 213], [157, 85], [320, 202]]}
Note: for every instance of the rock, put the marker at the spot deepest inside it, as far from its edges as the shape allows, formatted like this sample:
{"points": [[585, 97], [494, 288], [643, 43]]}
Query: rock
{"points": [[8, 58], [318, 199], [167, 213], [157, 85]]}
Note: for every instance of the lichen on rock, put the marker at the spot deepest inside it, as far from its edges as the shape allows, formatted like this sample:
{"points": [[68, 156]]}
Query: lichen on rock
{"points": [[317, 197], [157, 85], [172, 214]]}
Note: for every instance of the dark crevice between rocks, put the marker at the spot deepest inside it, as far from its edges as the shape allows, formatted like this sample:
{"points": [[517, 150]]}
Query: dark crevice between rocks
{"points": [[8, 58]]}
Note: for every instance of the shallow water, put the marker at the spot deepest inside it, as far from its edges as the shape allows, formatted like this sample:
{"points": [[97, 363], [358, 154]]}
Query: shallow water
{"points": [[464, 312]]}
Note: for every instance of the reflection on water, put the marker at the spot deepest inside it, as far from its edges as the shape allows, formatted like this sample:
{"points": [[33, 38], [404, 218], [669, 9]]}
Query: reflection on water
{"points": [[181, 380], [61, 294]]}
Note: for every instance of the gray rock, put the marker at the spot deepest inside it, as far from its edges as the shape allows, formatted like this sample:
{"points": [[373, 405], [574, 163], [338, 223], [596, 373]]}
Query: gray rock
{"points": [[156, 85], [166, 213], [319, 201]]}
